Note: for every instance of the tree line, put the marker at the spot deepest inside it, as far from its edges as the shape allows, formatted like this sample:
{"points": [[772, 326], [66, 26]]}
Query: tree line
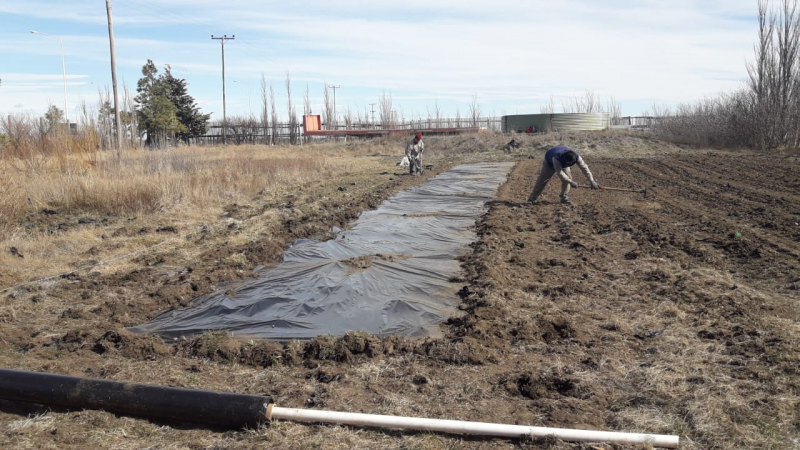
{"points": [[762, 114]]}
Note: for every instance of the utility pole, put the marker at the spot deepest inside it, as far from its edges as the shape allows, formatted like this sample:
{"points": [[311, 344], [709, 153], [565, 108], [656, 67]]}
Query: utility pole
{"points": [[335, 121], [372, 105], [224, 115], [114, 79]]}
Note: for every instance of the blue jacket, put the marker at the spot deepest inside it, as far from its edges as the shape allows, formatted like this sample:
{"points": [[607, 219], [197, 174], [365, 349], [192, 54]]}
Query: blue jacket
{"points": [[558, 153]]}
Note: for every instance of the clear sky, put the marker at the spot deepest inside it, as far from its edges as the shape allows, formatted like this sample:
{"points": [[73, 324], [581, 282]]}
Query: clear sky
{"points": [[514, 54]]}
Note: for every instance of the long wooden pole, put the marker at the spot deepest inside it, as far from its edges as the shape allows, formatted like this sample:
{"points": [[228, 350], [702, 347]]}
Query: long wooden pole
{"points": [[639, 191], [114, 79]]}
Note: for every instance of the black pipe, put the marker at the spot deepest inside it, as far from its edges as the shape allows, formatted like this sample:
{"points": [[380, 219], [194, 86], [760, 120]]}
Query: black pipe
{"points": [[218, 409]]}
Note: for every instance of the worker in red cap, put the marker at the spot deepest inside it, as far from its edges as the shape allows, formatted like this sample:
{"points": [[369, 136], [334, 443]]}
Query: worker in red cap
{"points": [[414, 150]]}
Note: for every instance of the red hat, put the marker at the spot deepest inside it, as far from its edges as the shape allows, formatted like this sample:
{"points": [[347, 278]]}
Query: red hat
{"points": [[418, 136]]}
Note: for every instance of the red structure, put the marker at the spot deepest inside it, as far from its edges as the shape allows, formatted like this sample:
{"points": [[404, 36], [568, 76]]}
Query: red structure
{"points": [[312, 126]]}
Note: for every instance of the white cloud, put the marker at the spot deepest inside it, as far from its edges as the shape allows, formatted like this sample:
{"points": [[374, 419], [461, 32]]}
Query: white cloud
{"points": [[37, 77], [511, 52]]}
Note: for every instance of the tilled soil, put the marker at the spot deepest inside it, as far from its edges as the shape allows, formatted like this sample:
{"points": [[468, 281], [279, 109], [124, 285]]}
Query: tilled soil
{"points": [[673, 314]]}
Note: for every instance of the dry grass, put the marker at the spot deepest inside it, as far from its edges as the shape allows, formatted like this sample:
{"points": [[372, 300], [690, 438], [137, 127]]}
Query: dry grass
{"points": [[431, 383], [184, 187], [192, 189], [148, 181]]}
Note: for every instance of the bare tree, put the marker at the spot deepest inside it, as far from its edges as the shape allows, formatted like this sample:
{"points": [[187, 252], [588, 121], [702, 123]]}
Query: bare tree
{"points": [[458, 118], [264, 108], [105, 117], [274, 114], [614, 110], [589, 103], [549, 107], [774, 76], [759, 71], [243, 129], [348, 118], [131, 118], [306, 102], [474, 110], [567, 106], [291, 111], [327, 113], [385, 109], [306, 107]]}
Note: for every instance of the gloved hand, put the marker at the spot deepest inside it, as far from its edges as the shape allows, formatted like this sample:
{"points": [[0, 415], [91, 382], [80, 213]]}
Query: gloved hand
{"points": [[595, 185], [573, 184]]}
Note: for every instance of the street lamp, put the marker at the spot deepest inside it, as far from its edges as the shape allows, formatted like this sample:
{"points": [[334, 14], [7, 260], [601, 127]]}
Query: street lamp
{"points": [[63, 68]]}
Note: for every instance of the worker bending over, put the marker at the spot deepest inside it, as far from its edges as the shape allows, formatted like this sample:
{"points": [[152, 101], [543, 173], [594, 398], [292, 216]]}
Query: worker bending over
{"points": [[414, 150], [558, 160]]}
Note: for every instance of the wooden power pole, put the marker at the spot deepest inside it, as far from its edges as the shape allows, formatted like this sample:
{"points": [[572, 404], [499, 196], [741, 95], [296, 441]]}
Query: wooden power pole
{"points": [[224, 115], [114, 79]]}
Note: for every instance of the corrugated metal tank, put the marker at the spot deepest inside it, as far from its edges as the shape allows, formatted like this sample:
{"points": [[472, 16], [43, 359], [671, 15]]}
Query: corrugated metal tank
{"points": [[557, 122]]}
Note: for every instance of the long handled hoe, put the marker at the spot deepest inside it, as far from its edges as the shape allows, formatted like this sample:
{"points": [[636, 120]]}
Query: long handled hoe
{"points": [[641, 191]]}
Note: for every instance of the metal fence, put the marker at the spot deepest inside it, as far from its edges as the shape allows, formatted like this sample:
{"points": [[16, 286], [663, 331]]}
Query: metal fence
{"points": [[252, 131], [634, 121]]}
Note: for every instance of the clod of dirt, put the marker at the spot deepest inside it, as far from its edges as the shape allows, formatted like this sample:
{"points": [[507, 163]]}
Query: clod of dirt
{"points": [[420, 379], [121, 231], [544, 386], [261, 354], [73, 313], [363, 262], [327, 375], [131, 345], [219, 347]]}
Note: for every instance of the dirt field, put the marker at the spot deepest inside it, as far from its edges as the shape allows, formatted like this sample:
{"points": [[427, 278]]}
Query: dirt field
{"points": [[674, 314]]}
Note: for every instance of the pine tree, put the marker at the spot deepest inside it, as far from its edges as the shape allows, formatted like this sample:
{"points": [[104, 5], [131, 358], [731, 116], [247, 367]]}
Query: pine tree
{"points": [[165, 109], [189, 115], [54, 116]]}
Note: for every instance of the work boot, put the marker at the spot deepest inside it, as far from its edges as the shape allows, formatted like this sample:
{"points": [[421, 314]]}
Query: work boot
{"points": [[566, 201]]}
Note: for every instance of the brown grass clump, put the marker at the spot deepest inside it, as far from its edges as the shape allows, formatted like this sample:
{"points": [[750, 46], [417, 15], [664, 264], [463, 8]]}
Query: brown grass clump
{"points": [[59, 212]]}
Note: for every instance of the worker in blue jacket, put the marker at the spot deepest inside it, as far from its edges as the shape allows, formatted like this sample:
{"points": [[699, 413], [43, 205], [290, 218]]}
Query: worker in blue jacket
{"points": [[558, 160]]}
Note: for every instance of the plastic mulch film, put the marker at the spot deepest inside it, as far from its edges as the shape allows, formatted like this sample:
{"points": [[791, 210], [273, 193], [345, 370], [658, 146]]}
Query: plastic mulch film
{"points": [[388, 274]]}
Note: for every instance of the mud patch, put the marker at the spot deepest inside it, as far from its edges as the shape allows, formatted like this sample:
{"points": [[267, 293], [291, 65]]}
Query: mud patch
{"points": [[364, 262]]}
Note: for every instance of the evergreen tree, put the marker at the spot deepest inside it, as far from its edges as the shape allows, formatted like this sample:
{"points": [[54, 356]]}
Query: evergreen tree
{"points": [[165, 109], [189, 115], [54, 116]]}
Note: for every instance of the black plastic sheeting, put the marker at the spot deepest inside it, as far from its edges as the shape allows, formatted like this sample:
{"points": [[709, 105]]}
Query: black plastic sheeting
{"points": [[388, 274]]}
